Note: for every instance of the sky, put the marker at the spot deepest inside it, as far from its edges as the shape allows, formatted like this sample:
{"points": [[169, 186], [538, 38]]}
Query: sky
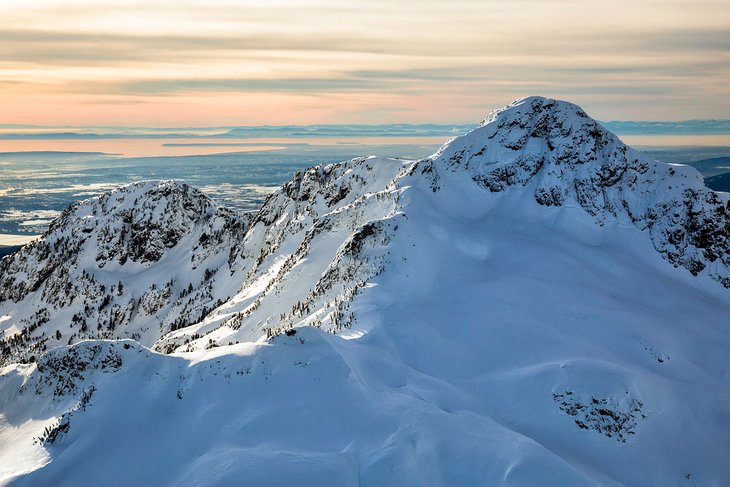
{"points": [[195, 63]]}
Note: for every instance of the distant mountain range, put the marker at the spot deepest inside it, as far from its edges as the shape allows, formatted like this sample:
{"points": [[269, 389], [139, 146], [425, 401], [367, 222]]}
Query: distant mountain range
{"points": [[31, 132]]}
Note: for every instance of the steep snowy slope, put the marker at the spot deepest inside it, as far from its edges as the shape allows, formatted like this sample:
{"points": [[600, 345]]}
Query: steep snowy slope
{"points": [[535, 304], [135, 262], [311, 247]]}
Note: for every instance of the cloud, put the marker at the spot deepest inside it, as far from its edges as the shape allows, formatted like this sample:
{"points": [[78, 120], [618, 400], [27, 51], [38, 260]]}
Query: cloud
{"points": [[52, 47], [294, 85], [393, 58]]}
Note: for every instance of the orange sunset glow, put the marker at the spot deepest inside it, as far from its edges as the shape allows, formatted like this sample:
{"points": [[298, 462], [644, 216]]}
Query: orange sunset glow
{"points": [[223, 62]]}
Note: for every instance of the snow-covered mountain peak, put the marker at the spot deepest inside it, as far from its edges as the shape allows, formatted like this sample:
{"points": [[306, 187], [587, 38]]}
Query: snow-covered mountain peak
{"points": [[135, 262], [137, 222], [556, 153], [527, 108], [531, 137]]}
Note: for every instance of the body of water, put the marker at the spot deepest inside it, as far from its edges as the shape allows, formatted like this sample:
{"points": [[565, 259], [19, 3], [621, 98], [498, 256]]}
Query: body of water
{"points": [[39, 178]]}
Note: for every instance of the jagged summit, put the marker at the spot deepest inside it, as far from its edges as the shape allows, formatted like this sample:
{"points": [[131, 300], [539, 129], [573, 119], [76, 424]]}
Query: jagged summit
{"points": [[526, 108], [139, 222], [541, 140]]}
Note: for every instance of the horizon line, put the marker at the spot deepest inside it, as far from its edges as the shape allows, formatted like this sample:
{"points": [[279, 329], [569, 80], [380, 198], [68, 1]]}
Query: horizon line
{"points": [[390, 130]]}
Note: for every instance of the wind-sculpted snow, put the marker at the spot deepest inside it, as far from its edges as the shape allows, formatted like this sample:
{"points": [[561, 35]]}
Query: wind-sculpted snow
{"points": [[535, 304], [563, 157]]}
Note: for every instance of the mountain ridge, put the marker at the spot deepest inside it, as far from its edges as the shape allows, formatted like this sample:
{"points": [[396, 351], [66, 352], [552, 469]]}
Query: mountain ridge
{"points": [[507, 317], [551, 148]]}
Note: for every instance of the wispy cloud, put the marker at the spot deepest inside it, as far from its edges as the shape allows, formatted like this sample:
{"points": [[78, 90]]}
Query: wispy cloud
{"points": [[368, 61]]}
